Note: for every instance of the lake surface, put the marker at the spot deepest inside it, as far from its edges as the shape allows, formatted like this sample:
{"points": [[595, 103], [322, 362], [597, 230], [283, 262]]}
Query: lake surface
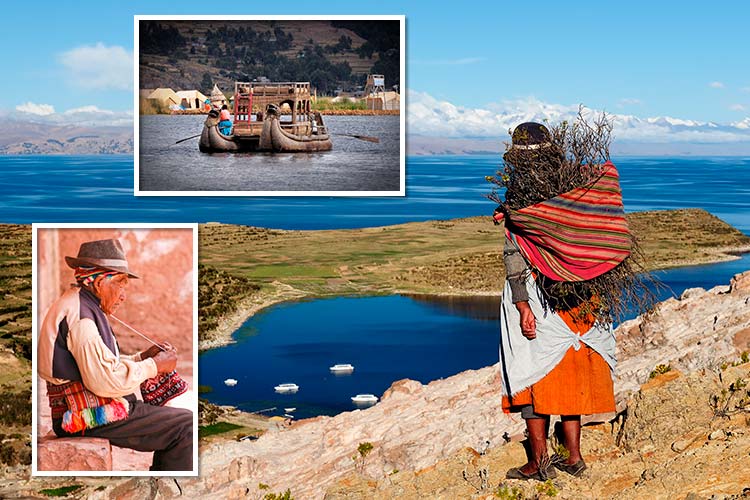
{"points": [[100, 189], [352, 164], [385, 338]]}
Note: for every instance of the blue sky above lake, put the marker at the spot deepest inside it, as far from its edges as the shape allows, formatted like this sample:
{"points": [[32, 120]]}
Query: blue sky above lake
{"points": [[674, 71]]}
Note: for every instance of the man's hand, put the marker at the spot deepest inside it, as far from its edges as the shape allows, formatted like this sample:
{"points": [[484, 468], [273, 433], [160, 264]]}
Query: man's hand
{"points": [[166, 361], [156, 349], [528, 321]]}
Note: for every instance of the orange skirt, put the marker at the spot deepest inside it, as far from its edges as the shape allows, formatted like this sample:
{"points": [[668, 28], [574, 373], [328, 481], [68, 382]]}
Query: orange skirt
{"points": [[581, 384]]}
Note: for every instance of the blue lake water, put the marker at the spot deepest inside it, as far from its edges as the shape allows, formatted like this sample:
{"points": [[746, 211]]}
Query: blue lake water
{"points": [[100, 189], [385, 338]]}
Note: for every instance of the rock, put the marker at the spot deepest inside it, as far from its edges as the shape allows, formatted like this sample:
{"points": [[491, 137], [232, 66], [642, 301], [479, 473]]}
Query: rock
{"points": [[698, 331], [74, 454], [687, 440], [717, 435], [422, 431], [168, 487]]}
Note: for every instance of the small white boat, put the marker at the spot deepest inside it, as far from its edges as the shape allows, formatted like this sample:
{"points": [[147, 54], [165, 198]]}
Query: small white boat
{"points": [[230, 382], [286, 388], [342, 368], [289, 410], [365, 399]]}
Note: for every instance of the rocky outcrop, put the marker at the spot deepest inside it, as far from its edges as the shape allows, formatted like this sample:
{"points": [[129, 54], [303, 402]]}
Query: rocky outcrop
{"points": [[699, 330], [414, 426], [74, 454], [672, 445], [442, 440]]}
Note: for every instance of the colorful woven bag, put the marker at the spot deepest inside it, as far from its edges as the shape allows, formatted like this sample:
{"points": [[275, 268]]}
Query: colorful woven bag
{"points": [[159, 390], [81, 409]]}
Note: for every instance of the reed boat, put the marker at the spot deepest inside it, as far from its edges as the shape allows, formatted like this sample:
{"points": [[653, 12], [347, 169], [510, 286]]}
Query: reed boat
{"points": [[279, 139], [274, 117]]}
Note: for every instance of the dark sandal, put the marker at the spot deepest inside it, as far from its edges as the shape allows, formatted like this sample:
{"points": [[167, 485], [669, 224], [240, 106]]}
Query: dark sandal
{"points": [[517, 473], [574, 470]]}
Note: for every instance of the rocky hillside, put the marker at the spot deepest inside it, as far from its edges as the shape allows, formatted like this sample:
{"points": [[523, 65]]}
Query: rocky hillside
{"points": [[20, 138], [682, 430], [330, 54]]}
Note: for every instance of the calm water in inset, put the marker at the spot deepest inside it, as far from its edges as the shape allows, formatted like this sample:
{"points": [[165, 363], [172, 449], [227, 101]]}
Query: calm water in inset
{"points": [[385, 338], [352, 164]]}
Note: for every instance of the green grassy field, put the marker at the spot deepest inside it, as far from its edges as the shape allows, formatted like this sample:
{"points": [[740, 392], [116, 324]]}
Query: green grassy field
{"points": [[460, 256]]}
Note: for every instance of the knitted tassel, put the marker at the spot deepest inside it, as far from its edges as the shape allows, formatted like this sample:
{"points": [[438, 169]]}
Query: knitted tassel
{"points": [[117, 410], [88, 418], [72, 422]]}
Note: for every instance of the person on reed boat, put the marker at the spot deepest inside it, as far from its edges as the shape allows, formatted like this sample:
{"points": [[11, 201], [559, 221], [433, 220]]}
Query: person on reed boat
{"points": [[557, 355], [225, 123], [90, 384]]}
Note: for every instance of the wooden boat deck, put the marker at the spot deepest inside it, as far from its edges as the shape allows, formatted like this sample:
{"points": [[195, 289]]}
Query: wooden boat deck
{"points": [[245, 129]]}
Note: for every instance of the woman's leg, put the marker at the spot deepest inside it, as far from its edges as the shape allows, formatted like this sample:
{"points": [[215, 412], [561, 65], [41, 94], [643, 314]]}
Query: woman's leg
{"points": [[537, 429], [571, 429]]}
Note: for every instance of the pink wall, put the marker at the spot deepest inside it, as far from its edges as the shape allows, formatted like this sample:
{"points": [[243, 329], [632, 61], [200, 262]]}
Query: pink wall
{"points": [[160, 304]]}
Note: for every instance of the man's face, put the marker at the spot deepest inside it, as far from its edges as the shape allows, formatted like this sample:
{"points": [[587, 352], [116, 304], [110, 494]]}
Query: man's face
{"points": [[111, 291]]}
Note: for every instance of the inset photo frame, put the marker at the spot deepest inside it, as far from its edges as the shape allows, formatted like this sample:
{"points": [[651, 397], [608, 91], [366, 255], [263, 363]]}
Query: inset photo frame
{"points": [[115, 349], [269, 105]]}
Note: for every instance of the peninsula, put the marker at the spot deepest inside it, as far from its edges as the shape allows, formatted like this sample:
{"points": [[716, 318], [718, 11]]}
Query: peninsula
{"points": [[449, 257]]}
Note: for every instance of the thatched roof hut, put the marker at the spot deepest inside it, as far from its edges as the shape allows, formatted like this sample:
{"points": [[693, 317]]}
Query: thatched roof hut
{"points": [[191, 99], [166, 96], [218, 99]]}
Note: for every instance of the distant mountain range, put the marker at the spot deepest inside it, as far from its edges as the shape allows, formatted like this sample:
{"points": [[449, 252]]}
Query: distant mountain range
{"points": [[18, 137], [418, 145], [38, 137]]}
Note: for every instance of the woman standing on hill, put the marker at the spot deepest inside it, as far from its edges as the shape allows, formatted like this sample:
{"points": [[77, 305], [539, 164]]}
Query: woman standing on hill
{"points": [[568, 268]]}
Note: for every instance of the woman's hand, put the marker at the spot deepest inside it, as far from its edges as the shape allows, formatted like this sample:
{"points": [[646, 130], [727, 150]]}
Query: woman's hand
{"points": [[528, 321]]}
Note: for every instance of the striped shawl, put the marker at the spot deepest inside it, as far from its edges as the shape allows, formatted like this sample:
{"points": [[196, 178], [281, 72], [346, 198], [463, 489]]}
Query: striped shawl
{"points": [[575, 236]]}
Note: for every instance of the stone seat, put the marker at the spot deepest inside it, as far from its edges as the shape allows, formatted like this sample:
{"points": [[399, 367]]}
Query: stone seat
{"points": [[74, 454]]}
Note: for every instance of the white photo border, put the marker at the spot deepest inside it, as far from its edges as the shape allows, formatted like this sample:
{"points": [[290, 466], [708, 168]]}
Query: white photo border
{"points": [[34, 335], [136, 103]]}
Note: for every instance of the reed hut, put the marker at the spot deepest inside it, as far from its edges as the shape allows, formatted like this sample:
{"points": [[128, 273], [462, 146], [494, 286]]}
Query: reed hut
{"points": [[218, 99], [191, 99]]}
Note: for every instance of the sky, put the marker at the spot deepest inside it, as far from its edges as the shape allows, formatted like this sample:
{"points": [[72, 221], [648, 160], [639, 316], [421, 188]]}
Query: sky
{"points": [[674, 69]]}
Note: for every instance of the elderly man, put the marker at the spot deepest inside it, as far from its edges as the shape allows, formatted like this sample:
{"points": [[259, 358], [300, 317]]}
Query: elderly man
{"points": [[90, 384]]}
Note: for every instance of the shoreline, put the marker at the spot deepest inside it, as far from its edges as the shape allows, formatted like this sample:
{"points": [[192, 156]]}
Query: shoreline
{"points": [[222, 336], [249, 307]]}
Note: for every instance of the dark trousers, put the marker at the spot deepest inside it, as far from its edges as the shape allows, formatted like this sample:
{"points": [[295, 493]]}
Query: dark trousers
{"points": [[168, 432]]}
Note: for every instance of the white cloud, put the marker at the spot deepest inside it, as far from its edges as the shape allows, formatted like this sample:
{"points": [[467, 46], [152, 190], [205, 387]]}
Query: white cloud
{"points": [[716, 85], [88, 116], [737, 107], [86, 109], [428, 116], [36, 109], [100, 67], [628, 101]]}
